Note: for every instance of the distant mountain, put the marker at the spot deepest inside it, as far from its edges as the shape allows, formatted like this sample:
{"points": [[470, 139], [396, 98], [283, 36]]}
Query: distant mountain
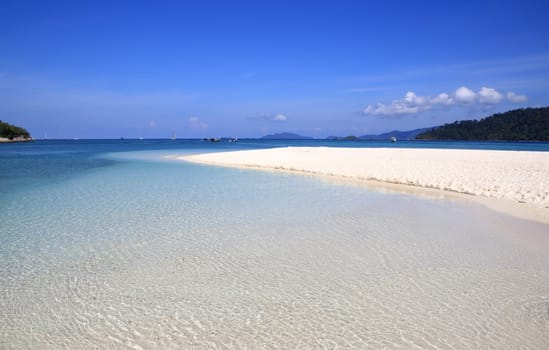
{"points": [[529, 124], [344, 138], [400, 135], [285, 136]]}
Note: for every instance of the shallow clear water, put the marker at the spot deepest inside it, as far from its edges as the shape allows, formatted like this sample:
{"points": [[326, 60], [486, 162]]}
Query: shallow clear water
{"points": [[103, 249]]}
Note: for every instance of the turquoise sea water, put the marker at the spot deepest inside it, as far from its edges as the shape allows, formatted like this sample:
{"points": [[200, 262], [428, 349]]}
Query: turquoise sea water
{"points": [[106, 244], [42, 161]]}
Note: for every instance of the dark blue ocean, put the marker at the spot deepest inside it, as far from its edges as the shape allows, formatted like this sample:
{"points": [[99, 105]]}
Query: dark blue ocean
{"points": [[109, 244]]}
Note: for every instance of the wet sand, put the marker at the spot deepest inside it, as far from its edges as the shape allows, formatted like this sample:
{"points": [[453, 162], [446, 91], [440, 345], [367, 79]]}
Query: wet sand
{"points": [[510, 181]]}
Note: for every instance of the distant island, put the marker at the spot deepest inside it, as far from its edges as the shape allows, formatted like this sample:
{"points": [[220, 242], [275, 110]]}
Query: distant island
{"points": [[343, 138], [285, 136], [400, 135], [529, 124], [12, 133]]}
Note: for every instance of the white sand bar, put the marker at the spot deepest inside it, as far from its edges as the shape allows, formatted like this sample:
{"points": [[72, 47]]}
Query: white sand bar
{"points": [[518, 179]]}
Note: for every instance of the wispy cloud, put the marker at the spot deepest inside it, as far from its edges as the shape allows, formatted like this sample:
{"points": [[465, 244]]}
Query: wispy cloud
{"points": [[31, 94], [270, 118], [516, 98], [248, 75], [497, 67], [104, 101], [196, 124], [363, 90], [413, 104]]}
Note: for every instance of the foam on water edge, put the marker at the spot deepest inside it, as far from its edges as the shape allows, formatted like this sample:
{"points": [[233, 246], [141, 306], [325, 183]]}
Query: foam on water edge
{"points": [[149, 253]]}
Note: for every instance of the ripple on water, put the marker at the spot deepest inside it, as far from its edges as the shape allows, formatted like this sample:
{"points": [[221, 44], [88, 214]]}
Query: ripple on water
{"points": [[171, 256]]}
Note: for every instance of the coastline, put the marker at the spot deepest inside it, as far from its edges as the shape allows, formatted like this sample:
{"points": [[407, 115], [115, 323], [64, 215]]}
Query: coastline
{"points": [[512, 182], [15, 140]]}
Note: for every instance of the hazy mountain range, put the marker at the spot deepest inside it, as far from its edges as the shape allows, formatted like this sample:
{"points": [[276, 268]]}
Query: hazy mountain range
{"points": [[400, 135]]}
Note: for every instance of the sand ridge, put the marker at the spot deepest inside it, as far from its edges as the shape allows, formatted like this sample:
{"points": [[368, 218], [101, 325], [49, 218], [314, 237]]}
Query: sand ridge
{"points": [[519, 180]]}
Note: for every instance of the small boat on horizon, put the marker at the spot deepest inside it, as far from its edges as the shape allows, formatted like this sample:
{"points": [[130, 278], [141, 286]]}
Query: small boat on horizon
{"points": [[393, 139]]}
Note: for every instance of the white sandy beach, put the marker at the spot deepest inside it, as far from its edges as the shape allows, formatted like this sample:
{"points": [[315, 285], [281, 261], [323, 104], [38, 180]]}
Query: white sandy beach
{"points": [[511, 181]]}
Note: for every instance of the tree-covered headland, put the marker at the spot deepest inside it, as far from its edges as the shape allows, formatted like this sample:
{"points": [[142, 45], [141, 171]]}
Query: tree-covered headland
{"points": [[528, 124], [12, 132]]}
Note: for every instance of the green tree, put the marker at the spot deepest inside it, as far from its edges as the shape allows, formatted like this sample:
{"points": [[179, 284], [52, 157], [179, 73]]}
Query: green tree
{"points": [[528, 124], [9, 131]]}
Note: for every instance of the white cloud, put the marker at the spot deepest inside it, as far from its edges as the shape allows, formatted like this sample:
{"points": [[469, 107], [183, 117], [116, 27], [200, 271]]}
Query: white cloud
{"points": [[412, 103], [280, 118], [414, 100], [516, 98], [397, 107], [465, 95], [442, 99], [489, 96], [196, 124]]}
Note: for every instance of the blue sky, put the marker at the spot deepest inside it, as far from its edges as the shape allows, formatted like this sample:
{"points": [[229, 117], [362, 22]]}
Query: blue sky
{"points": [[249, 68]]}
